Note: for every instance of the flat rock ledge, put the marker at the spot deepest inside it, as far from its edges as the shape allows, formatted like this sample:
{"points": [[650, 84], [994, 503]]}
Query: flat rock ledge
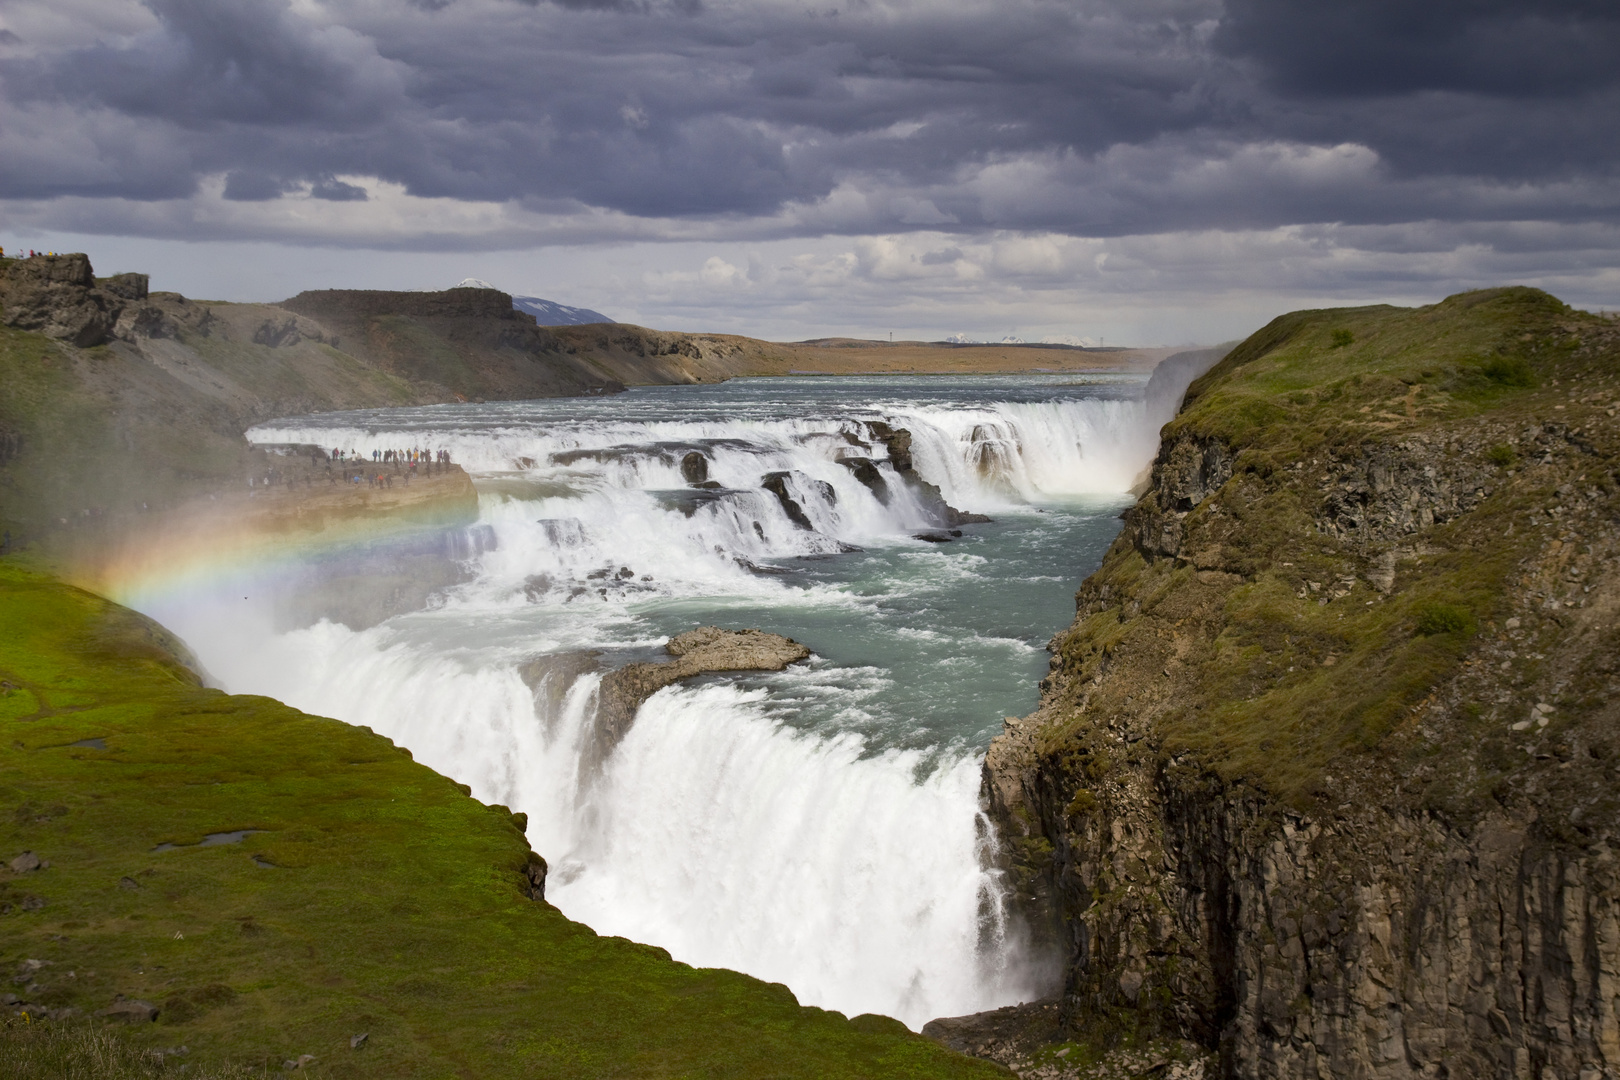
{"points": [[1030, 1041], [703, 651]]}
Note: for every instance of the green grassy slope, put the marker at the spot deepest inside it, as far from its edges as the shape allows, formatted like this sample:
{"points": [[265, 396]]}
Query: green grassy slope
{"points": [[377, 897], [1264, 646], [1328, 379]]}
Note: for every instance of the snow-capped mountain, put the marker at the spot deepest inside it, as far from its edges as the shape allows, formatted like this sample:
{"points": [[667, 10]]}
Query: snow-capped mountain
{"points": [[549, 313]]}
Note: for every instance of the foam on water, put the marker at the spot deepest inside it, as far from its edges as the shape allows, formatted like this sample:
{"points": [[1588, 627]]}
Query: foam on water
{"points": [[818, 827]]}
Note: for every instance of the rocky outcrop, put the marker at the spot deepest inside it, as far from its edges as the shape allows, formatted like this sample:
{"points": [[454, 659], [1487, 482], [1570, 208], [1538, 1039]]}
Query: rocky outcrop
{"points": [[638, 356], [286, 331], [1021, 1037], [534, 876], [777, 484], [58, 296], [1009, 1035], [705, 650], [127, 286], [695, 468], [870, 477], [1363, 943], [349, 304], [552, 675], [1324, 776], [1187, 471], [898, 443]]}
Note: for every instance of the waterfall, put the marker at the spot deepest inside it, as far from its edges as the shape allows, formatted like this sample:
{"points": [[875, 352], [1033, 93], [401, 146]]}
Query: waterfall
{"points": [[787, 826], [579, 497]]}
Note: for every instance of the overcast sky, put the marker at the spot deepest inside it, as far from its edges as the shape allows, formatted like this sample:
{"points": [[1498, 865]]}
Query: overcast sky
{"points": [[1152, 171]]}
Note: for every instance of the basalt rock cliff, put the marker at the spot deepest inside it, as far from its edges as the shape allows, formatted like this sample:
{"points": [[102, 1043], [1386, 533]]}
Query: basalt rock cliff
{"points": [[1326, 776]]}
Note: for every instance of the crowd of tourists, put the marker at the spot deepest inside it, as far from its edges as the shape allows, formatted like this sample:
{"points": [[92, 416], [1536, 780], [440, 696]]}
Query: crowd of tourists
{"points": [[402, 462], [377, 469], [409, 458]]}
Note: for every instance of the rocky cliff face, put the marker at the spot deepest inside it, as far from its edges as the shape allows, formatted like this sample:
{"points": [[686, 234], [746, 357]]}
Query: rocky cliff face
{"points": [[1324, 776], [59, 296], [460, 303]]}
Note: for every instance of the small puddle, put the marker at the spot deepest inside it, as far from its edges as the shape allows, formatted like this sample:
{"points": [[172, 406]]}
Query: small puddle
{"points": [[213, 839], [94, 744]]}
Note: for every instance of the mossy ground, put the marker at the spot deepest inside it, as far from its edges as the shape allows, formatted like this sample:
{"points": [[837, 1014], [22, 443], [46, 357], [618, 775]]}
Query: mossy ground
{"points": [[35, 1051], [1265, 648], [376, 896], [1292, 390]]}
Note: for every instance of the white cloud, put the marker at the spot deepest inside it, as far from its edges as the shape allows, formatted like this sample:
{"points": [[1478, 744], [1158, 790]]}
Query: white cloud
{"points": [[1166, 288]]}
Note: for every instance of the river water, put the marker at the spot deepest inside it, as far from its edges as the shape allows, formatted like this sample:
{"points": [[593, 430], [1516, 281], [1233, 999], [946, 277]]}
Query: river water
{"points": [[819, 827]]}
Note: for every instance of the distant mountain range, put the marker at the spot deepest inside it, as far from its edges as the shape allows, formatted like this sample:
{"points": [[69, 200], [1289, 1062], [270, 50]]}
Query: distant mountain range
{"points": [[545, 312]]}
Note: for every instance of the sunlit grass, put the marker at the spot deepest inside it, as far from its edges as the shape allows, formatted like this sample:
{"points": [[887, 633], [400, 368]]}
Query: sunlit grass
{"points": [[376, 899]]}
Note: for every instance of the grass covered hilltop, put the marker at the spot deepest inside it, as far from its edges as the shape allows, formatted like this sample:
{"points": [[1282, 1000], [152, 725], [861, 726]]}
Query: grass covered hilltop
{"points": [[372, 896]]}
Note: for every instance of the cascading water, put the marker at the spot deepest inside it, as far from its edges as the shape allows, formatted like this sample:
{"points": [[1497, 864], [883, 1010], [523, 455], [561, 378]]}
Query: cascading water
{"points": [[818, 827]]}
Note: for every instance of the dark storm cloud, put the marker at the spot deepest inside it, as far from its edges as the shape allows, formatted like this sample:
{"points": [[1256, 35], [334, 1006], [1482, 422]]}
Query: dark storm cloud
{"points": [[210, 63], [1094, 118], [1383, 47], [1495, 88]]}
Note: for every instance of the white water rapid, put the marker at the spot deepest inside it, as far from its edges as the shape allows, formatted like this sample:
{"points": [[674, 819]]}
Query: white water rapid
{"points": [[819, 827]]}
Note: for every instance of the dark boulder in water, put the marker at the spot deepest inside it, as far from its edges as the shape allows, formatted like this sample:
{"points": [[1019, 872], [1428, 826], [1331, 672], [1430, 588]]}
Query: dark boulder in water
{"points": [[869, 475], [695, 468], [776, 484], [898, 440], [689, 500]]}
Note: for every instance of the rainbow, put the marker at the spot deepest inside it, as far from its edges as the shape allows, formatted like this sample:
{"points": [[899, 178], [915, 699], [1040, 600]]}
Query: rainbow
{"points": [[200, 545]]}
